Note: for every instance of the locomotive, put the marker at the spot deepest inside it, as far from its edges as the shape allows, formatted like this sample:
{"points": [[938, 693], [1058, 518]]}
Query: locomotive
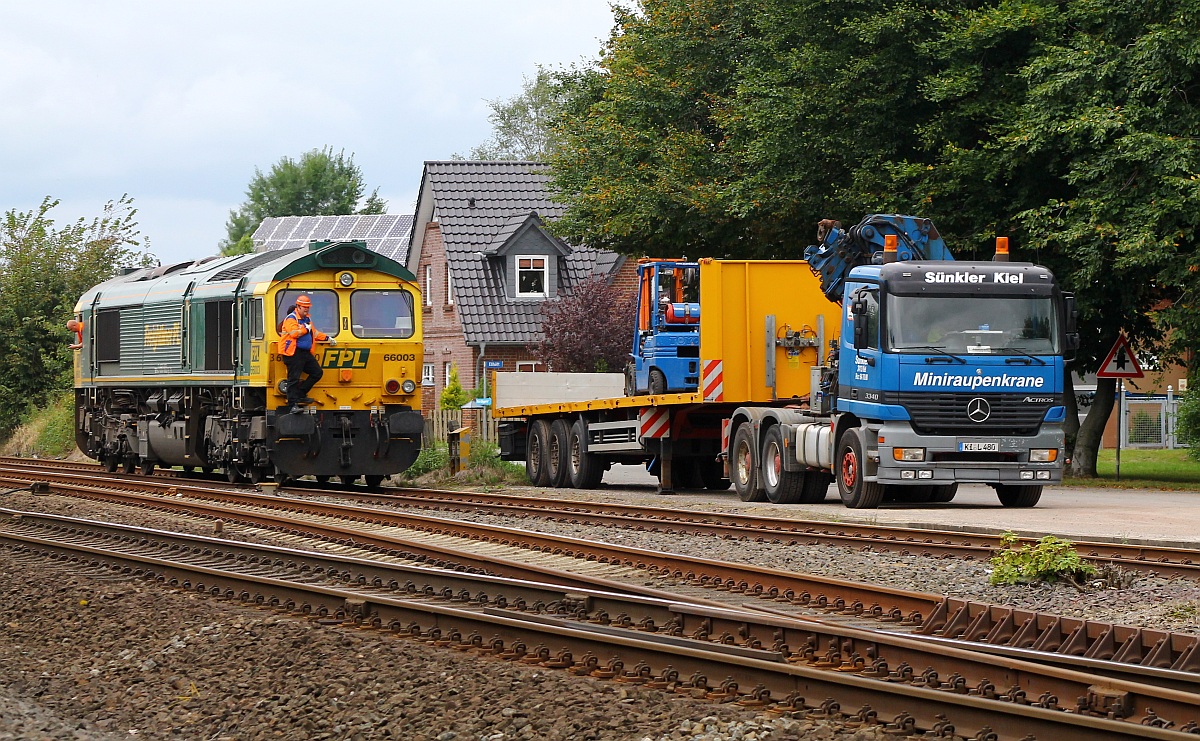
{"points": [[180, 367]]}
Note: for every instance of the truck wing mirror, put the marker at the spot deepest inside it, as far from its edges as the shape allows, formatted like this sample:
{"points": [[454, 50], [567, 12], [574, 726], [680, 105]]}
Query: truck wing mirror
{"points": [[860, 332], [1071, 327]]}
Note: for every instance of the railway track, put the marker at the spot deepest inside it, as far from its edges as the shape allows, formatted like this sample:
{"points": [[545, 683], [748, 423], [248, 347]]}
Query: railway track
{"points": [[1163, 560], [997, 628], [776, 663]]}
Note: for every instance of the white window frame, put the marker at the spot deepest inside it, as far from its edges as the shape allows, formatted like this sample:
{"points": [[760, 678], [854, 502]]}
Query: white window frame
{"points": [[446, 366], [449, 287], [528, 366], [545, 276], [428, 374], [429, 285]]}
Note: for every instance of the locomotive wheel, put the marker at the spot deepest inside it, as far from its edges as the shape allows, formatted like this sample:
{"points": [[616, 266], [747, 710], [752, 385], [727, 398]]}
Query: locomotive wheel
{"points": [[320, 479], [111, 463], [231, 473], [146, 468], [283, 479], [257, 474], [374, 482], [856, 491], [188, 470], [557, 454], [347, 479], [129, 464], [743, 466]]}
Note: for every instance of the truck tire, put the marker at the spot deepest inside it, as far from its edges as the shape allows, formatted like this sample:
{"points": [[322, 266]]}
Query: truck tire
{"points": [[816, 487], [780, 485], [944, 493], [584, 468], [743, 466], [712, 474], [658, 382], [535, 453], [1018, 495], [557, 453], [857, 492]]}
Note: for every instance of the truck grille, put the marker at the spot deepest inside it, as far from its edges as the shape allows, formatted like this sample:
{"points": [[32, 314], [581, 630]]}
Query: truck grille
{"points": [[946, 414]]}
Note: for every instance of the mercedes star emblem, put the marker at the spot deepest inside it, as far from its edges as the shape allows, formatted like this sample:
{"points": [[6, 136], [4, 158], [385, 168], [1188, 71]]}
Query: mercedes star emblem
{"points": [[978, 410]]}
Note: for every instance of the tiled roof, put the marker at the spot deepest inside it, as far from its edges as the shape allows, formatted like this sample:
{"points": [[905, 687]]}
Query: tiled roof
{"points": [[479, 205], [387, 234]]}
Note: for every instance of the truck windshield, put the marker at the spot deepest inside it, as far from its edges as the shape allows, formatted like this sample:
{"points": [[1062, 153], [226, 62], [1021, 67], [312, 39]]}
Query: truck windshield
{"points": [[1007, 325]]}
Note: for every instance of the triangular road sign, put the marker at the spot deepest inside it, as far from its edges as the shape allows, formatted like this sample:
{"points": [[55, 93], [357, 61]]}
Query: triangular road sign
{"points": [[1121, 362]]}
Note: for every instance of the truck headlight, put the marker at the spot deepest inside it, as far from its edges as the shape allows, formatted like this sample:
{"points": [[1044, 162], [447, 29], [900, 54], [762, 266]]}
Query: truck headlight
{"points": [[1043, 455], [908, 454]]}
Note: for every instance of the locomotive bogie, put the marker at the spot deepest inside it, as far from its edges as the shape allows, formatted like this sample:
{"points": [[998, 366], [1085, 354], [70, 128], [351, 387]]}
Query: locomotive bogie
{"points": [[181, 366]]}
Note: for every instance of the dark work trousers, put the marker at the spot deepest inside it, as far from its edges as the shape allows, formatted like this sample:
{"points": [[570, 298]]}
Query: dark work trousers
{"points": [[302, 362]]}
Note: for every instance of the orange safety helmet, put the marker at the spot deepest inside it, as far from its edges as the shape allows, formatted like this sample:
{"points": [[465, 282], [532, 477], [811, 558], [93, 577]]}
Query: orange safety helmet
{"points": [[304, 301]]}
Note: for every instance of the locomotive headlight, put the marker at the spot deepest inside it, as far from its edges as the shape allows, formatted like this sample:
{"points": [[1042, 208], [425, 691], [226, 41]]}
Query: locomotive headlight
{"points": [[409, 385], [346, 279], [392, 386]]}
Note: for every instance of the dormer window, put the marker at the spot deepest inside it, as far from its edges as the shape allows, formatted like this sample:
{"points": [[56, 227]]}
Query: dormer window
{"points": [[531, 276]]}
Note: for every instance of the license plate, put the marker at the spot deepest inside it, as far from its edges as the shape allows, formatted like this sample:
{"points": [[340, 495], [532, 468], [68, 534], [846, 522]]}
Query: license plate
{"points": [[979, 447]]}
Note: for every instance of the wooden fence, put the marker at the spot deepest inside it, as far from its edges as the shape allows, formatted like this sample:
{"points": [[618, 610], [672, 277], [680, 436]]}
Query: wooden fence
{"points": [[440, 422]]}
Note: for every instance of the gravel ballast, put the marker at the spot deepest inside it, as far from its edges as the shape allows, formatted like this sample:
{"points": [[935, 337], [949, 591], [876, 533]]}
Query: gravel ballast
{"points": [[97, 658]]}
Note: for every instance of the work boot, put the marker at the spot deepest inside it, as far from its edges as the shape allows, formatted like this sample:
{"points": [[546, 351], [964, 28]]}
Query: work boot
{"points": [[307, 400]]}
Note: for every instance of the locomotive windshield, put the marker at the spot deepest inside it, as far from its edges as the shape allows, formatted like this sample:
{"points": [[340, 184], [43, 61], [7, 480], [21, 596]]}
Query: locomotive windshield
{"points": [[381, 314], [1002, 325], [324, 312]]}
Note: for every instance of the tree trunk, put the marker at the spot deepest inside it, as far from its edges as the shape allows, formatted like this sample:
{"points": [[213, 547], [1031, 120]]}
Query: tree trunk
{"points": [[1071, 423], [1087, 444]]}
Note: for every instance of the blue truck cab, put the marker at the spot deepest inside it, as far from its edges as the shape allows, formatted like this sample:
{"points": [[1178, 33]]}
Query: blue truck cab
{"points": [[953, 372]]}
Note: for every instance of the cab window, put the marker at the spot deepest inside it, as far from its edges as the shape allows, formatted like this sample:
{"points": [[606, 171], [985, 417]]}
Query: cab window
{"points": [[324, 312], [381, 313]]}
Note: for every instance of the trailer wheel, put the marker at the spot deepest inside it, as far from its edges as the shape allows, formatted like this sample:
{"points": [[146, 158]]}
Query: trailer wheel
{"points": [[585, 468], [816, 487], [712, 474], [535, 453], [781, 486], [857, 492], [1017, 495], [944, 493], [556, 454], [743, 466]]}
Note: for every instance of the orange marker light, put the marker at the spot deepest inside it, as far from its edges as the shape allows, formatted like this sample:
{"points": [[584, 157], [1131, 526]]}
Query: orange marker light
{"points": [[889, 248], [1001, 249], [345, 375]]}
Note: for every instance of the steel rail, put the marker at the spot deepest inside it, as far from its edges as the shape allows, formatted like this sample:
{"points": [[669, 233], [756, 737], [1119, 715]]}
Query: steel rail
{"points": [[773, 673]]}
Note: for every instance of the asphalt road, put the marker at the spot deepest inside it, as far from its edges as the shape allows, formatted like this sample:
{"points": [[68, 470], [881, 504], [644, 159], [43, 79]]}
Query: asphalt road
{"points": [[1129, 515]]}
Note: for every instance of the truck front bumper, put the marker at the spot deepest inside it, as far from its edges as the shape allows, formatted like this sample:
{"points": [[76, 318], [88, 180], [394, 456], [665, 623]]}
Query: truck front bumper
{"points": [[968, 458]]}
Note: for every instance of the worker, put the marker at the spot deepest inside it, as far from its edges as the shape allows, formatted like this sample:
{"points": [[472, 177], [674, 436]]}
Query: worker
{"points": [[76, 326], [296, 342]]}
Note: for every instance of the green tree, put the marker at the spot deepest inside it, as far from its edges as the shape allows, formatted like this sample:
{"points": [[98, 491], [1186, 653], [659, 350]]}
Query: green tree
{"points": [[570, 342], [320, 183], [44, 268], [728, 129], [453, 396], [522, 125]]}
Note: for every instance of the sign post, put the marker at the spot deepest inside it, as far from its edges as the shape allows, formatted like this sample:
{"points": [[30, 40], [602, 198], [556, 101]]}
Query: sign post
{"points": [[1120, 363]]}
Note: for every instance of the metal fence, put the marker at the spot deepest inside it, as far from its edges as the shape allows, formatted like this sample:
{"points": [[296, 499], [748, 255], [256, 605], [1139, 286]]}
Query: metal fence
{"points": [[1148, 420]]}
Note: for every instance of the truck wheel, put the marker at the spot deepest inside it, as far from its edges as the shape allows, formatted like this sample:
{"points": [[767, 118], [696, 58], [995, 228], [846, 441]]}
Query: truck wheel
{"points": [[585, 468], [743, 466], [712, 474], [857, 493], [781, 486], [658, 382], [944, 493], [556, 454], [535, 453], [1017, 495], [816, 487]]}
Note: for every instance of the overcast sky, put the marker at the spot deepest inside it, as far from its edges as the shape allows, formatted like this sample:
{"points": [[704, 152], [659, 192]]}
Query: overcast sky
{"points": [[176, 103]]}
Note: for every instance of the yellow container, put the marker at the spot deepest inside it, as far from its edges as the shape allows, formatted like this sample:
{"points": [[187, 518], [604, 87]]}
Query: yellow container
{"points": [[737, 355]]}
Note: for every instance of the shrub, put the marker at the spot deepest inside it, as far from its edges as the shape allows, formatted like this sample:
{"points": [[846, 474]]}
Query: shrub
{"points": [[1187, 422], [430, 459], [1050, 559]]}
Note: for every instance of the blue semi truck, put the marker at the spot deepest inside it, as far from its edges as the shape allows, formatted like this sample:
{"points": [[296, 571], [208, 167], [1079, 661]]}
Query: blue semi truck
{"points": [[943, 372]]}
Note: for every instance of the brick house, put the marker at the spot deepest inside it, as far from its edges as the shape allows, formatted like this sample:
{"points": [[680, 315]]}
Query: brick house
{"points": [[488, 265]]}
